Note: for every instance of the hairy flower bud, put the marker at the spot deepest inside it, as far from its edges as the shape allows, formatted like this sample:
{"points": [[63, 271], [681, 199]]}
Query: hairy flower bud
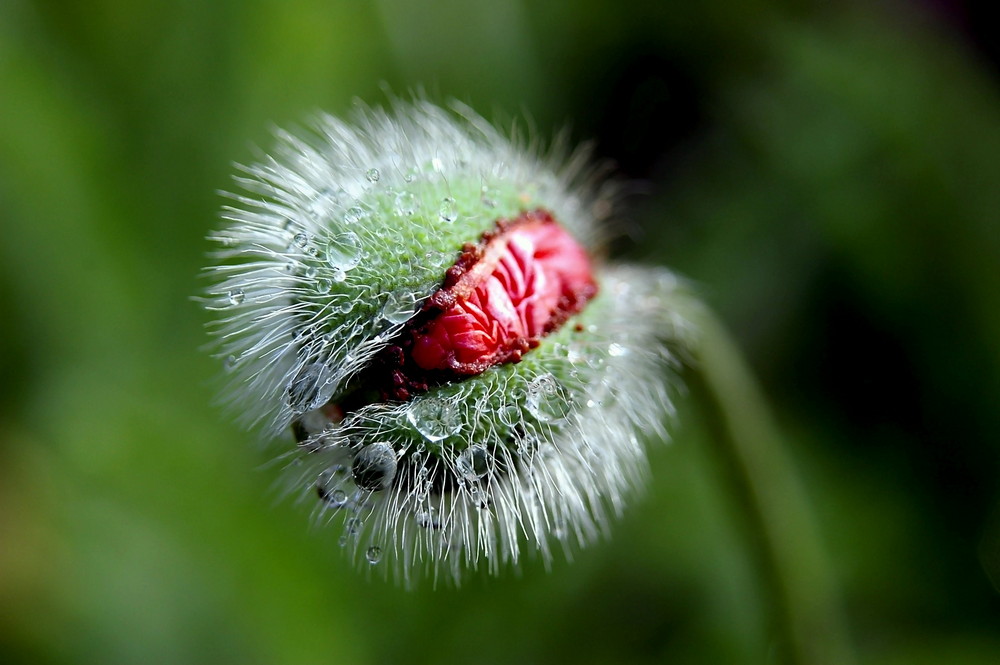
{"points": [[418, 300]]}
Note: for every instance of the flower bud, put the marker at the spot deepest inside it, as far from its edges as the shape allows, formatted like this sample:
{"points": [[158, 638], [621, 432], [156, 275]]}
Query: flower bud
{"points": [[419, 301]]}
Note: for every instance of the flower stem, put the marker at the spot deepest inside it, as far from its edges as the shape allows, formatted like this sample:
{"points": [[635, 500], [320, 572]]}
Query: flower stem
{"points": [[794, 570]]}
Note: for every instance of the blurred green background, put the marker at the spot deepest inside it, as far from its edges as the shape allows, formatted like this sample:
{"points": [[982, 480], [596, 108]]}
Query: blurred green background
{"points": [[828, 173]]}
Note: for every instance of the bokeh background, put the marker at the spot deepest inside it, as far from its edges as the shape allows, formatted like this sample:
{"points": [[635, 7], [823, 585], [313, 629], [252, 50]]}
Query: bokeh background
{"points": [[828, 173]]}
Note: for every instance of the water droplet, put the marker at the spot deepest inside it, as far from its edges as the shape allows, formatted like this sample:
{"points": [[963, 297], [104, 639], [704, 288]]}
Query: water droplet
{"points": [[545, 399], [373, 175], [353, 215], [236, 297], [434, 418], [478, 498], [343, 251], [510, 414], [312, 250], [473, 462], [374, 554], [406, 203], [527, 445], [231, 361], [427, 519], [310, 272], [323, 286], [338, 275], [576, 353], [300, 239], [489, 197], [399, 307], [343, 541], [336, 498], [616, 350], [352, 525], [449, 210], [311, 388], [374, 467], [421, 488]]}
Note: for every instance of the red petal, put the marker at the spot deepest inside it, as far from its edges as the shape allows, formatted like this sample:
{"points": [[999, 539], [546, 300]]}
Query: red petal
{"points": [[528, 279]]}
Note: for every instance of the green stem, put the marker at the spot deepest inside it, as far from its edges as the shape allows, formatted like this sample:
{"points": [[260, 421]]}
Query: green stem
{"points": [[794, 569]]}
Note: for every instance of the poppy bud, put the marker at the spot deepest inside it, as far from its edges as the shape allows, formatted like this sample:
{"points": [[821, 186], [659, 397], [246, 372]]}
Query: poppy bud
{"points": [[420, 301]]}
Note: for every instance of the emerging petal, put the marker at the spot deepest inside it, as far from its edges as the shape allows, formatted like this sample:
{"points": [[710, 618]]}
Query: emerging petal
{"points": [[521, 283]]}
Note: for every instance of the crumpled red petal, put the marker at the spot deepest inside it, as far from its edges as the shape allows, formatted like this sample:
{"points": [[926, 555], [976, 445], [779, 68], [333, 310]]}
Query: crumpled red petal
{"points": [[526, 280]]}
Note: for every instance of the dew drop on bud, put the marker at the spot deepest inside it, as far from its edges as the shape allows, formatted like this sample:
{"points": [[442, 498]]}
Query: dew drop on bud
{"points": [[336, 498], [509, 414], [489, 197], [236, 297], [434, 418], [328, 487], [374, 554], [300, 239], [449, 210], [373, 175], [353, 215], [406, 203], [323, 286], [545, 399], [427, 519], [526, 446], [576, 353], [399, 307], [616, 350], [374, 467], [311, 388], [344, 252], [473, 462]]}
